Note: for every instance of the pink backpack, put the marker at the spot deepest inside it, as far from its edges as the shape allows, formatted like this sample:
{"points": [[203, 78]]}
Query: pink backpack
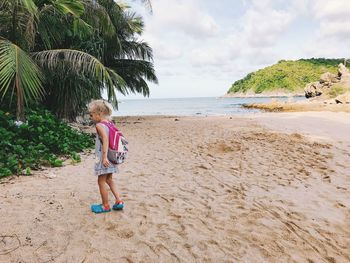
{"points": [[118, 145]]}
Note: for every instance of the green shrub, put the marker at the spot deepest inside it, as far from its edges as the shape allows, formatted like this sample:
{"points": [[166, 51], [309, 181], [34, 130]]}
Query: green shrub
{"points": [[42, 140], [335, 91]]}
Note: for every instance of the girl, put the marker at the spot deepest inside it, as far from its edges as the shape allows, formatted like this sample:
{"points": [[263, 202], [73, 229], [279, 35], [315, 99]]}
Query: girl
{"points": [[99, 111]]}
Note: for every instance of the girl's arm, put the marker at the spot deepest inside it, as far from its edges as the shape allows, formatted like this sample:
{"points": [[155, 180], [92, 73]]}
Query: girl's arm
{"points": [[103, 135]]}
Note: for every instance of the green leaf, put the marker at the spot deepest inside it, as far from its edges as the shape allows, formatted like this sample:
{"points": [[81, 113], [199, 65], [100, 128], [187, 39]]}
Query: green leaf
{"points": [[19, 74], [73, 7], [80, 63]]}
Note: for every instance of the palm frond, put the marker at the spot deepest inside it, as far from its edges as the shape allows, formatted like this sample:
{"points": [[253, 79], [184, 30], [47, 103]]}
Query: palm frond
{"points": [[134, 22], [73, 84], [73, 7], [98, 17], [148, 4], [81, 28], [51, 27], [17, 22], [19, 74], [135, 72], [79, 63], [133, 49], [15, 63]]}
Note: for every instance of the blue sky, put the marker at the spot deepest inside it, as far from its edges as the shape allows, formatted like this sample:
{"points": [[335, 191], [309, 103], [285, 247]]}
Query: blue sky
{"points": [[201, 47]]}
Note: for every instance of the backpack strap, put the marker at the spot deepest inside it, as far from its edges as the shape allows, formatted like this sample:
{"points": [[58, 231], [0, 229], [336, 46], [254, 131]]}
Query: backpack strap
{"points": [[107, 123]]}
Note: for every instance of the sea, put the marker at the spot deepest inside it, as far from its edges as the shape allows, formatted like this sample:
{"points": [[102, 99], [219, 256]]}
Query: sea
{"points": [[203, 106]]}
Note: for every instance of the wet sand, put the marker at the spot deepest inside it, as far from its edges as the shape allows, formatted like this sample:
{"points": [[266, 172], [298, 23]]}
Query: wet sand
{"points": [[258, 188]]}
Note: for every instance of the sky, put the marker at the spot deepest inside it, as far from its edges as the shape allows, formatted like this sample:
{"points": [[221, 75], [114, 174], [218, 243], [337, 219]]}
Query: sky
{"points": [[201, 47]]}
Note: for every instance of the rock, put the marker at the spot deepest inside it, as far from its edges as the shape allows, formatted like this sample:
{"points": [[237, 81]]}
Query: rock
{"points": [[343, 71], [338, 101], [326, 82], [328, 78], [51, 175], [313, 89], [330, 101], [343, 98]]}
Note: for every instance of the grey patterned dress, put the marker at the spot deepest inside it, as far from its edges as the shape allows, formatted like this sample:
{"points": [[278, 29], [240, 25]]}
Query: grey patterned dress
{"points": [[99, 167]]}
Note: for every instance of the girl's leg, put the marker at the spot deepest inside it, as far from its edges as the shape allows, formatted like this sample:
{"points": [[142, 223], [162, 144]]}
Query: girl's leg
{"points": [[103, 189], [113, 187]]}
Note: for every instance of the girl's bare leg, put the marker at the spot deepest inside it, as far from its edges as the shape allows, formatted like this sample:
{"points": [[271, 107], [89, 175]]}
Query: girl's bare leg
{"points": [[103, 189], [113, 187]]}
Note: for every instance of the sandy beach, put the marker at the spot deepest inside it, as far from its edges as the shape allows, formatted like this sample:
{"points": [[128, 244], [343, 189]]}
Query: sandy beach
{"points": [[270, 187]]}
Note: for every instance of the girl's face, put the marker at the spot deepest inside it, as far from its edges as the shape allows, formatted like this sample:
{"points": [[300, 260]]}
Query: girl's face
{"points": [[95, 116]]}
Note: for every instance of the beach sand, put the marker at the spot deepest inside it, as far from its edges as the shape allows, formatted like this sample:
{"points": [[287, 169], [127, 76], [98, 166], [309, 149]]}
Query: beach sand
{"points": [[257, 188]]}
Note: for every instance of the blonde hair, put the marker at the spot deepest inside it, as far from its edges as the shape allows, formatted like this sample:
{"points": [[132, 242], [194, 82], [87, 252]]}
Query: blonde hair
{"points": [[102, 107]]}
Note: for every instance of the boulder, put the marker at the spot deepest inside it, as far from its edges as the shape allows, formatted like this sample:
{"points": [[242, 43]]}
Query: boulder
{"points": [[313, 89], [343, 98], [343, 71], [329, 78]]}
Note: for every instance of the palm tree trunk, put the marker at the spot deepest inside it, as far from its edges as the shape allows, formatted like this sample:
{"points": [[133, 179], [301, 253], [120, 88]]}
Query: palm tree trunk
{"points": [[20, 101]]}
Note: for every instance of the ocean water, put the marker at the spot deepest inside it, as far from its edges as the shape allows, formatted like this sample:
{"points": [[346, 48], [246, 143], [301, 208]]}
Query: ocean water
{"points": [[190, 106]]}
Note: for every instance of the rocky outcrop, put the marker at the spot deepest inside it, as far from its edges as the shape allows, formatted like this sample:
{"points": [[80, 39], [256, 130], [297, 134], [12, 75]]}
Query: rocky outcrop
{"points": [[313, 89], [343, 71], [327, 80]]}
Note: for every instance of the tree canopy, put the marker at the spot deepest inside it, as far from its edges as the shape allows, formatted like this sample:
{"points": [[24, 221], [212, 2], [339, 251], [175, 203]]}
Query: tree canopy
{"points": [[63, 53]]}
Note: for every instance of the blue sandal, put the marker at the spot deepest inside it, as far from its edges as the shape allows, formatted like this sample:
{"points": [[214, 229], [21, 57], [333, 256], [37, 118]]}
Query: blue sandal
{"points": [[100, 209], [118, 205]]}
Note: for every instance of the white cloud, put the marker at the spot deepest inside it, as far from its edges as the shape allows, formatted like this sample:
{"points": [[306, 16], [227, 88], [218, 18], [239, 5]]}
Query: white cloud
{"points": [[253, 40], [340, 30], [165, 51], [183, 17], [333, 16], [332, 38], [261, 27], [331, 10], [208, 57]]}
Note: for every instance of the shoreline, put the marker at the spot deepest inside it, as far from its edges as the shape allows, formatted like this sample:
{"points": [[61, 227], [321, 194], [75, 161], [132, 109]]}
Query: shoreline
{"points": [[278, 106], [262, 95]]}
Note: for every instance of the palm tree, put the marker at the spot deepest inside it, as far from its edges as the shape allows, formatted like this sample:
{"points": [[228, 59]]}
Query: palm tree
{"points": [[19, 73], [127, 59], [75, 48]]}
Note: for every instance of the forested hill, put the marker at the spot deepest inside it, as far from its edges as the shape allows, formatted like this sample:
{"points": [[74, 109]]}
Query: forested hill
{"points": [[286, 76]]}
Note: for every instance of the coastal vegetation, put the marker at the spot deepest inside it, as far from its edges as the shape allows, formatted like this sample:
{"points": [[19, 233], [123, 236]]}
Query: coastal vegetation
{"points": [[42, 140], [56, 56], [286, 76], [336, 90]]}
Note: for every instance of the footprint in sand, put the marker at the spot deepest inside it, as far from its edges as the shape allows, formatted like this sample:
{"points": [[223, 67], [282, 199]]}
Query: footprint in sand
{"points": [[338, 205], [125, 233], [9, 243]]}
